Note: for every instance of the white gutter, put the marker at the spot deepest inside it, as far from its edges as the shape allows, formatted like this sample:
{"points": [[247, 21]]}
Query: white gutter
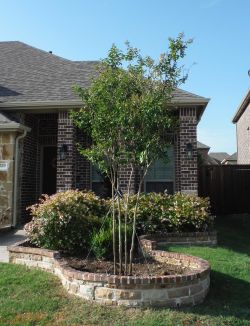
{"points": [[14, 218]]}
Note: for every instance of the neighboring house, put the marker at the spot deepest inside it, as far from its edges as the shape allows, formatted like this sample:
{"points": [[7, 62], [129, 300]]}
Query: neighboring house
{"points": [[206, 158], [213, 158], [231, 160], [242, 121], [38, 141], [218, 157], [202, 151], [203, 155]]}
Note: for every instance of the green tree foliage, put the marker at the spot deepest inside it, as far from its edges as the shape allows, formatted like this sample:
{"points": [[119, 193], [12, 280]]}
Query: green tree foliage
{"points": [[128, 117]]}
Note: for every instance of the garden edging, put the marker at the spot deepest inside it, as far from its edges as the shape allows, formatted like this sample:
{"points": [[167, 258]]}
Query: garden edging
{"points": [[167, 290], [156, 240]]}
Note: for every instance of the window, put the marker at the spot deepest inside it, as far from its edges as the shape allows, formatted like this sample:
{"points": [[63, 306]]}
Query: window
{"points": [[160, 175], [97, 180], [96, 175], [100, 186]]}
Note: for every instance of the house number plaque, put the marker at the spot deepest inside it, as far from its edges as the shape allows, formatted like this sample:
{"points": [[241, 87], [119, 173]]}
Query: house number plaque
{"points": [[4, 166]]}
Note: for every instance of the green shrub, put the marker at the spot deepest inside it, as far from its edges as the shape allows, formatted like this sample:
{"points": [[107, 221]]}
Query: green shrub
{"points": [[66, 220], [71, 220], [102, 240], [171, 213]]}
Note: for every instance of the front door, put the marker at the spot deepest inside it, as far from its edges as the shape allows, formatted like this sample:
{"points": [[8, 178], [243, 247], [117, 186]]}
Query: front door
{"points": [[49, 170]]}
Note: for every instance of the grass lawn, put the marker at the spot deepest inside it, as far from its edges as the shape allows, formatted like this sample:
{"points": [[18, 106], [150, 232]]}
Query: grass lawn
{"points": [[31, 297]]}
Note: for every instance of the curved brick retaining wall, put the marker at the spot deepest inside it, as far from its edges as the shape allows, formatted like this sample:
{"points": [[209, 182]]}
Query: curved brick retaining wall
{"points": [[154, 241], [167, 291]]}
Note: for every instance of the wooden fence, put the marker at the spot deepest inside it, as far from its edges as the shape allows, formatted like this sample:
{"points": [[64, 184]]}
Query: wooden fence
{"points": [[228, 187]]}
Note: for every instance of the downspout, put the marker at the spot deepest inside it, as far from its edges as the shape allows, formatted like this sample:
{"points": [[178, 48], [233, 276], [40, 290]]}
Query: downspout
{"points": [[14, 219]]}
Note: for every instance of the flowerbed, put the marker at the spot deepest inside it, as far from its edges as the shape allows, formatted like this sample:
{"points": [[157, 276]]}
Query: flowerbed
{"points": [[167, 290], [76, 223]]}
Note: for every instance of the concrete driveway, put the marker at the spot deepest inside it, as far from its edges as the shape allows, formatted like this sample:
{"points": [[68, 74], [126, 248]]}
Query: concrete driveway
{"points": [[8, 238]]}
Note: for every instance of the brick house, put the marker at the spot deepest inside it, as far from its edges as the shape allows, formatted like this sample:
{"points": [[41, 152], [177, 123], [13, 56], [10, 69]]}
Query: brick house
{"points": [[38, 141], [242, 121]]}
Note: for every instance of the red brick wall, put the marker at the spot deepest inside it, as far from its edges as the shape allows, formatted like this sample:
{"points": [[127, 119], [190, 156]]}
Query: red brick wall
{"points": [[186, 168], [83, 169], [66, 169], [74, 171], [51, 129], [124, 175]]}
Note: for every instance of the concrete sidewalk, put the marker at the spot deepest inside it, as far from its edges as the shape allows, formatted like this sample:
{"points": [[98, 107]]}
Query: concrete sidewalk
{"points": [[8, 238]]}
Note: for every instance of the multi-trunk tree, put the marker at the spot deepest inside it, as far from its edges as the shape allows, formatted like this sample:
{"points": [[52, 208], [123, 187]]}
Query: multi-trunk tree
{"points": [[127, 114]]}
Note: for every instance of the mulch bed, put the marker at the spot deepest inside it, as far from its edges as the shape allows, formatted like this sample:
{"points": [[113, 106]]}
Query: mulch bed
{"points": [[141, 267]]}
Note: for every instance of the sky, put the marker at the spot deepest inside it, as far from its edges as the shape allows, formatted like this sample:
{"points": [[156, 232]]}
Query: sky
{"points": [[218, 59]]}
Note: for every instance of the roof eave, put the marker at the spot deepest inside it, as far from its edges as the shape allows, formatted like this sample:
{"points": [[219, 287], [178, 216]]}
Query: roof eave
{"points": [[242, 107], [203, 101], [199, 103], [13, 127], [41, 104], [75, 104]]}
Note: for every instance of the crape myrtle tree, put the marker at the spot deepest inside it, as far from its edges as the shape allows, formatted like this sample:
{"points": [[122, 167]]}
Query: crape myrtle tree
{"points": [[128, 117]]}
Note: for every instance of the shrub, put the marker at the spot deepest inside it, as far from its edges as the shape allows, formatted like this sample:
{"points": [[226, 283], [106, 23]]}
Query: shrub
{"points": [[71, 220], [171, 213], [65, 221], [102, 240]]}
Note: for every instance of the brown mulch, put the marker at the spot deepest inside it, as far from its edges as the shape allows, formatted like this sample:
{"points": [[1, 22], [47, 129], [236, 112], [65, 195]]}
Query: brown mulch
{"points": [[140, 267], [150, 267]]}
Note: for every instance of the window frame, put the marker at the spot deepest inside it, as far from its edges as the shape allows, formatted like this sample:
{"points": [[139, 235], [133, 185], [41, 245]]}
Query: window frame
{"points": [[163, 180]]}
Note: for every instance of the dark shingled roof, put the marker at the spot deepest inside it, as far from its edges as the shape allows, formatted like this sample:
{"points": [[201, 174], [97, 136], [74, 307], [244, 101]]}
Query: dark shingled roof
{"points": [[184, 96], [201, 145], [6, 118], [232, 157], [219, 156], [10, 121], [28, 74]]}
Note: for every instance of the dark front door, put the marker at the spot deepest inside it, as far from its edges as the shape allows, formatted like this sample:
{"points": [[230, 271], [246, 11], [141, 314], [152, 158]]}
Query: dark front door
{"points": [[49, 170]]}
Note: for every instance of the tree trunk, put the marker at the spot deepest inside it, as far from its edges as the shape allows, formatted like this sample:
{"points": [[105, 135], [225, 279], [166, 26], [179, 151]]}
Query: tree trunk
{"points": [[134, 218], [134, 229], [119, 227], [126, 223], [114, 228]]}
